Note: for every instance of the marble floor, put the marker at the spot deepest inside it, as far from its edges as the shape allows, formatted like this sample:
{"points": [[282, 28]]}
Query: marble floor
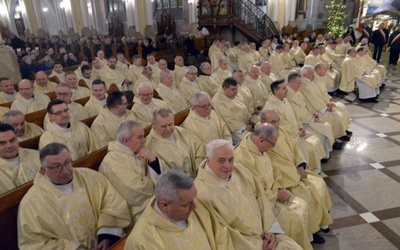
{"points": [[364, 177]]}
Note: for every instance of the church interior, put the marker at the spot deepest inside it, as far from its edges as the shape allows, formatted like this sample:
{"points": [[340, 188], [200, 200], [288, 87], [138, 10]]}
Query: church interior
{"points": [[363, 178]]}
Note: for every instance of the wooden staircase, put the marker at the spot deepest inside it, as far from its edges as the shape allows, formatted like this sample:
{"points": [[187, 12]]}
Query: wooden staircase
{"points": [[242, 15]]}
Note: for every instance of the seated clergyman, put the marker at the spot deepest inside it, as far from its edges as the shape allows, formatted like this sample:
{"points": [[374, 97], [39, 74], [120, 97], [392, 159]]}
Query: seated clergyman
{"points": [[174, 219], [70, 208], [17, 165]]}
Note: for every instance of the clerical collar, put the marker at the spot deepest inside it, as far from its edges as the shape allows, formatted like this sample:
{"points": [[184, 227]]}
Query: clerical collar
{"points": [[14, 161], [67, 189], [172, 138], [209, 170], [251, 141], [181, 224]]}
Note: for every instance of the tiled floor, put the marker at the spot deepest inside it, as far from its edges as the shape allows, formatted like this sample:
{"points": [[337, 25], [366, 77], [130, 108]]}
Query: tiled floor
{"points": [[364, 177]]}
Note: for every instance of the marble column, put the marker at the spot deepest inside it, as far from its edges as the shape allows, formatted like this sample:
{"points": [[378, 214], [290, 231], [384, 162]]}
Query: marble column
{"points": [[150, 29], [25, 17], [273, 8], [5, 17], [39, 18], [131, 18], [84, 4], [290, 12]]}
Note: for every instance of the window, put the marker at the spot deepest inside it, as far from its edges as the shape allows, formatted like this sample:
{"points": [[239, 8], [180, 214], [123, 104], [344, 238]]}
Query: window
{"points": [[115, 5], [173, 7], [165, 4]]}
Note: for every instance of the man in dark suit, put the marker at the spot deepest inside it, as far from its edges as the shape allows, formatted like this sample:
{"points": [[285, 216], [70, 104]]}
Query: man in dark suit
{"points": [[366, 32], [379, 39], [394, 46]]}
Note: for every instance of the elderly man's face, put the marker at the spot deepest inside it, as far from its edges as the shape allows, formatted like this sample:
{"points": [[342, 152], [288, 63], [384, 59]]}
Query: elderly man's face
{"points": [[164, 126], [207, 69], [191, 74], [58, 168], [181, 210], [41, 79], [25, 89], [137, 141], [254, 73], [100, 54], [168, 80], [309, 75], [266, 69], [203, 108], [179, 61], [224, 65], [18, 123], [99, 91], [146, 95], [221, 162], [64, 93], [7, 87], [149, 72], [296, 84], [71, 80], [8, 145], [322, 70], [239, 77]]}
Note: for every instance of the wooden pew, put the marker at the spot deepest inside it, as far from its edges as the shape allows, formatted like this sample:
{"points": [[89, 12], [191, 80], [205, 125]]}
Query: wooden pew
{"points": [[113, 87], [83, 100], [52, 95], [119, 245], [36, 117], [82, 83], [89, 121], [180, 117], [54, 79], [6, 104], [32, 143], [9, 202]]}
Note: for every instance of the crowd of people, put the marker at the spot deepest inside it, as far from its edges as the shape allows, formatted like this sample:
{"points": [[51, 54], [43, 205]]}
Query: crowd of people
{"points": [[185, 187]]}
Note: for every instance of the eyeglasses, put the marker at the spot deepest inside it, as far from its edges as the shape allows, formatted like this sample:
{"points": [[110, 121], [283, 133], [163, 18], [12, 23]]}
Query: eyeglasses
{"points": [[124, 103], [59, 166], [192, 73], [63, 94], [272, 143], [146, 95], [204, 107], [61, 112]]}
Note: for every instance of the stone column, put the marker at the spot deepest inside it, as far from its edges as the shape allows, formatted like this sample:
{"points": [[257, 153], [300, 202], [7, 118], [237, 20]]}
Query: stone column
{"points": [[149, 30], [8, 63], [131, 17], [84, 4], [39, 18], [273, 8], [290, 12], [25, 17]]}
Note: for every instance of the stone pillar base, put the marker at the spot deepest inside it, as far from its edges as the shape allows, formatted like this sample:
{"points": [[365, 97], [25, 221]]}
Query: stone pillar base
{"points": [[41, 33], [87, 32], [150, 31], [193, 30], [131, 31], [71, 33], [9, 64]]}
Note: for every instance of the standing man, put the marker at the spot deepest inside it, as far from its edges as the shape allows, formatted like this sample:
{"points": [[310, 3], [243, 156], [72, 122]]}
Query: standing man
{"points": [[379, 39], [394, 46]]}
